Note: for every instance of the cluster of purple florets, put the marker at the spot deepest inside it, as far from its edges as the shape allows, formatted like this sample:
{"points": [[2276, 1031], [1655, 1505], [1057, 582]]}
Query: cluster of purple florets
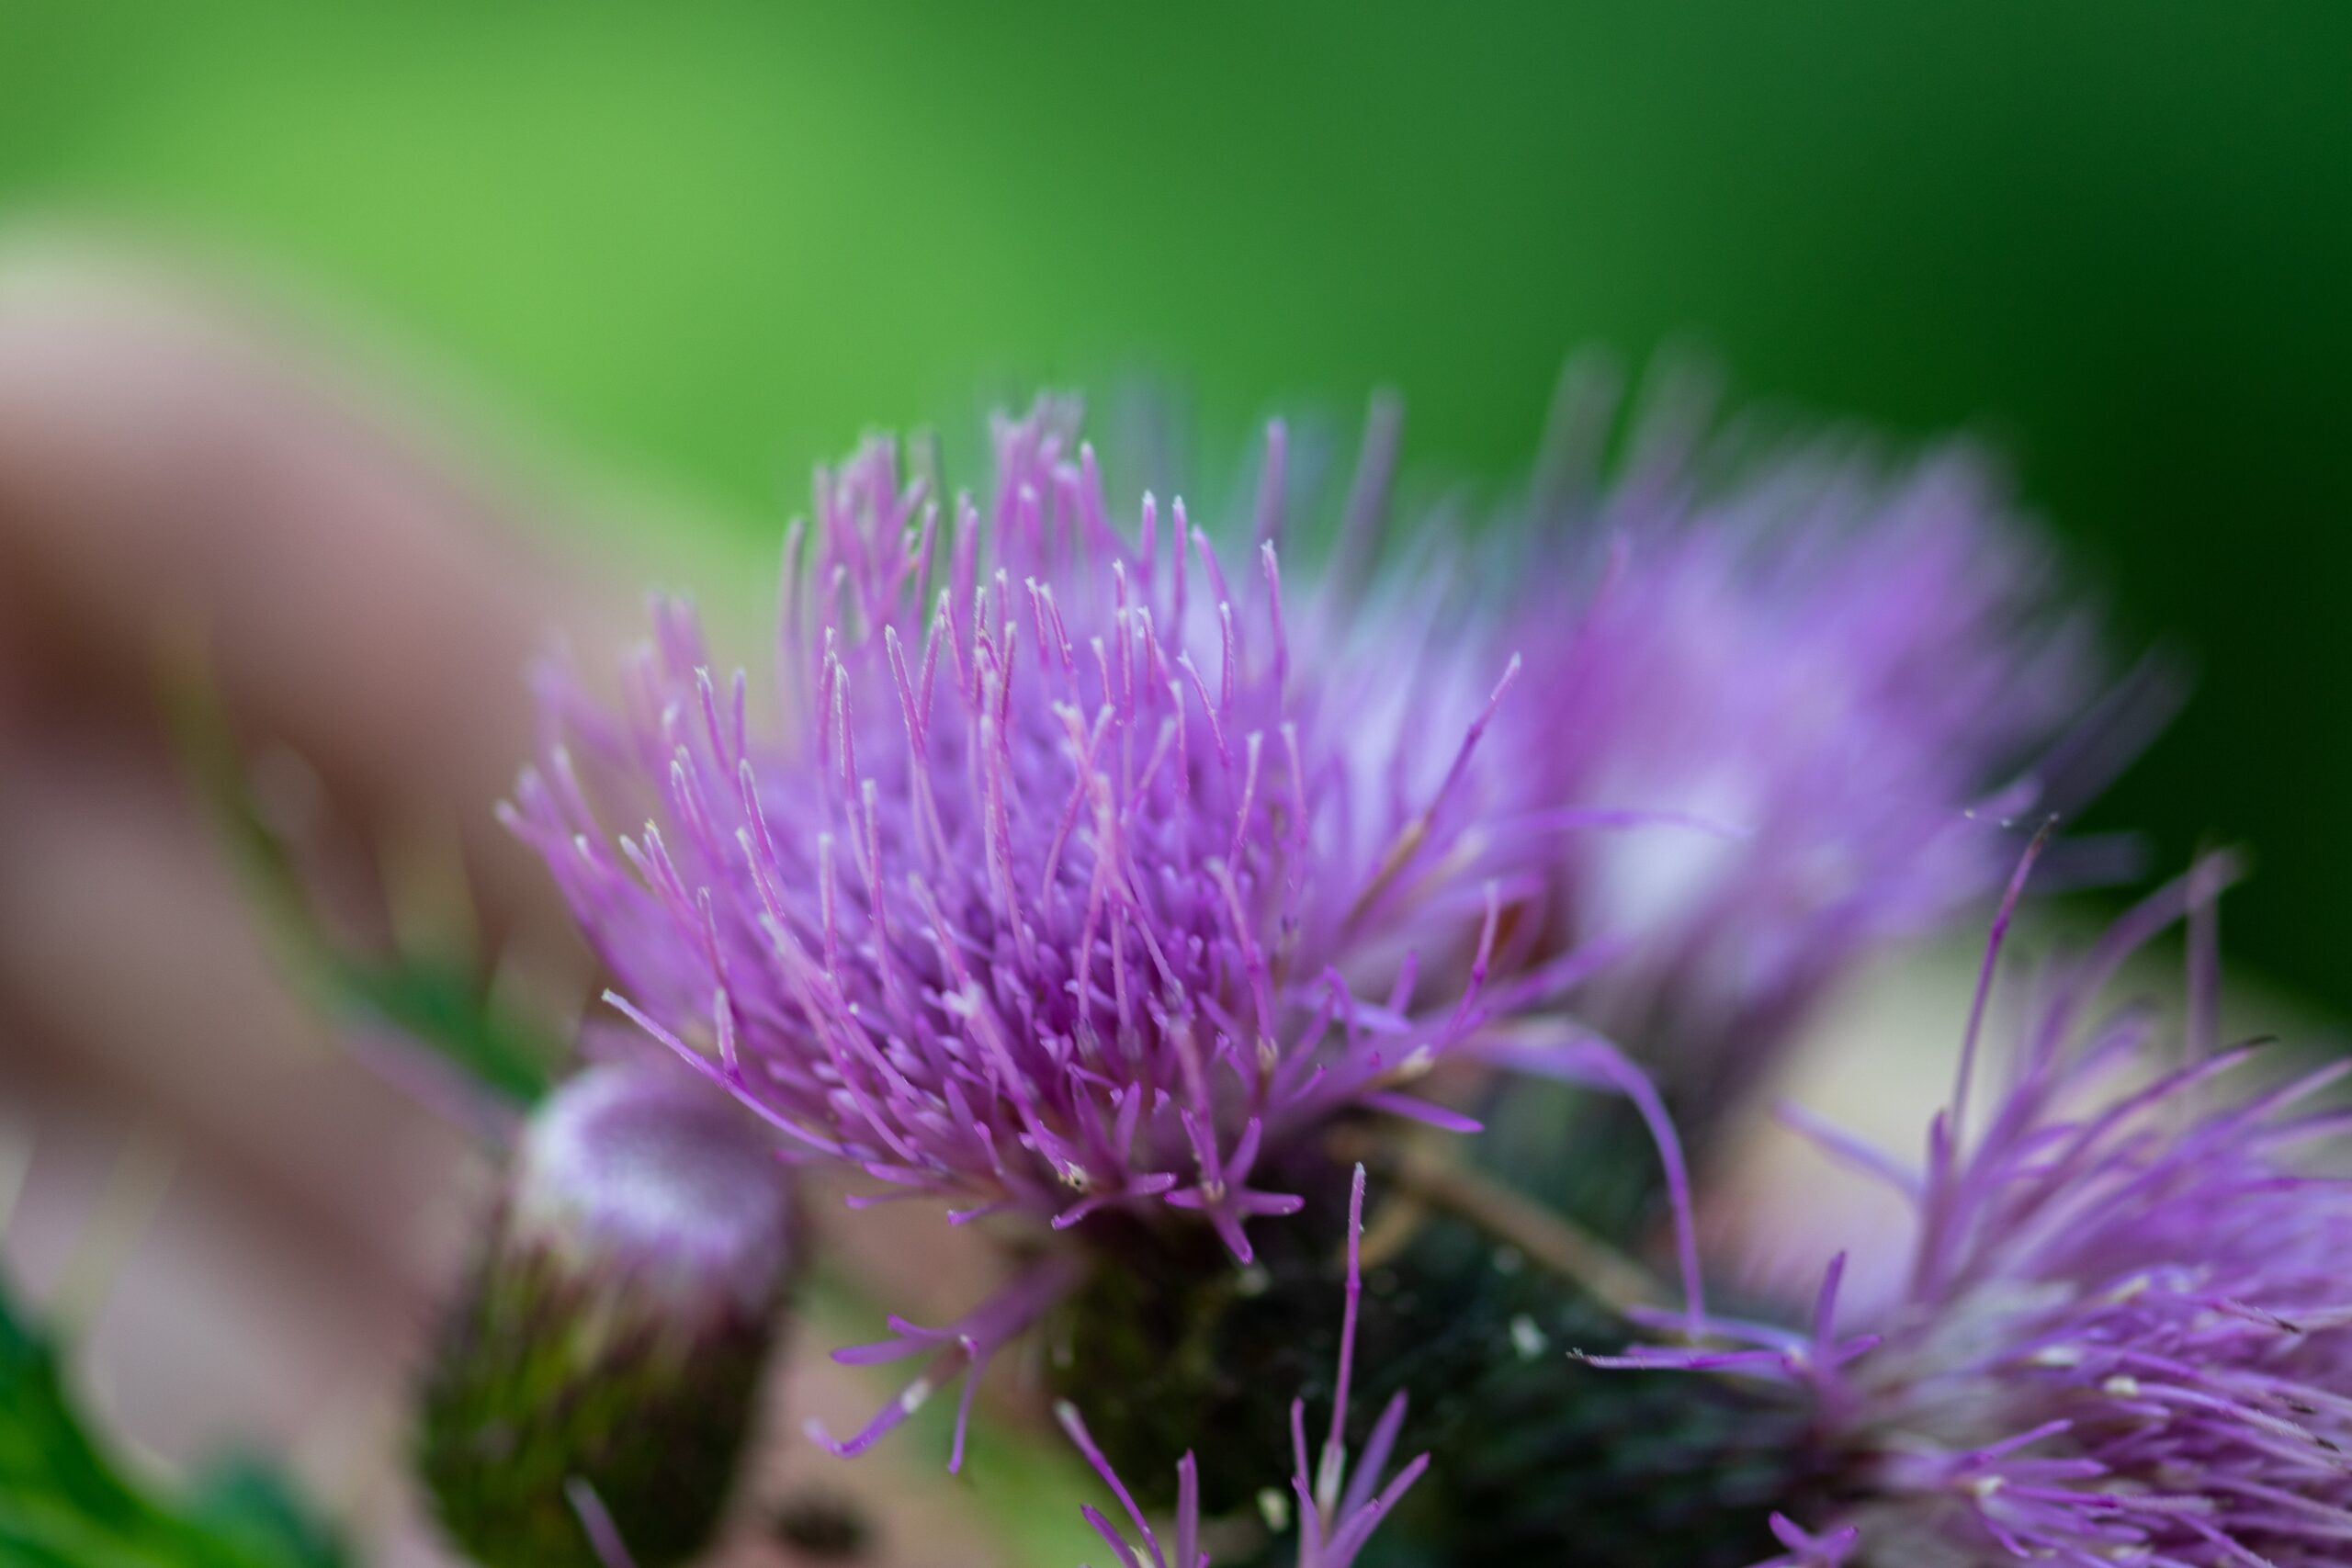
{"points": [[1059, 890], [2124, 1333], [1074, 860]]}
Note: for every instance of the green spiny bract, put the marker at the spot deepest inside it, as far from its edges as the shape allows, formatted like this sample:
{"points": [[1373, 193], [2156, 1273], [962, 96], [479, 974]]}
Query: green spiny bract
{"points": [[1537, 1457]]}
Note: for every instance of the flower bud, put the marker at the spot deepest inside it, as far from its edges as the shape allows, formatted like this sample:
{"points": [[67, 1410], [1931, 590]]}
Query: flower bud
{"points": [[613, 1328]]}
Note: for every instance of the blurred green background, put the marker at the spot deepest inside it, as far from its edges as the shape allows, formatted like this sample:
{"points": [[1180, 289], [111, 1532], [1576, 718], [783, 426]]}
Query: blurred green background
{"points": [[703, 244]]}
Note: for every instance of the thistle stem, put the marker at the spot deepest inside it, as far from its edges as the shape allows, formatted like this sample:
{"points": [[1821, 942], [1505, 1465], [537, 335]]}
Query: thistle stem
{"points": [[1549, 1238]]}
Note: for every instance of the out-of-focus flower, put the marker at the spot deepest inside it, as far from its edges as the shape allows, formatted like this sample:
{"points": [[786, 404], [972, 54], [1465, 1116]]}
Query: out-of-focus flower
{"points": [[608, 1345], [2126, 1335], [1065, 888], [1337, 1512], [1851, 668]]}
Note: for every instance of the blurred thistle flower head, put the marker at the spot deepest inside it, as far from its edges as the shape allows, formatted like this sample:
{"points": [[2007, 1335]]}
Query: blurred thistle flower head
{"points": [[2126, 1335], [1336, 1511], [1850, 670]]}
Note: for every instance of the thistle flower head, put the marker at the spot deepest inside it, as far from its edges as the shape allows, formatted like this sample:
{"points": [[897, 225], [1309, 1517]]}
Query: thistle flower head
{"points": [[1337, 1512], [1832, 662], [2126, 1335], [1054, 888]]}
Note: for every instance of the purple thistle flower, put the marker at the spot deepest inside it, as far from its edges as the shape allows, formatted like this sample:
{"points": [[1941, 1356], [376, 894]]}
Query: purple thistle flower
{"points": [[1337, 1512], [1044, 898], [1838, 665], [1066, 887], [2126, 1335]]}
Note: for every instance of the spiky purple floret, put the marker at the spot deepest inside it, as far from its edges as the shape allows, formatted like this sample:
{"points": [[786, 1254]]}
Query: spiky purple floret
{"points": [[2127, 1334], [1059, 891], [1337, 1512], [1842, 660]]}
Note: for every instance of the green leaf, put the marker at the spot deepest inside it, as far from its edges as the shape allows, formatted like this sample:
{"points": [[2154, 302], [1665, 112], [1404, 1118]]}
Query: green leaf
{"points": [[441, 1005], [435, 1002], [63, 1503], [246, 1499]]}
